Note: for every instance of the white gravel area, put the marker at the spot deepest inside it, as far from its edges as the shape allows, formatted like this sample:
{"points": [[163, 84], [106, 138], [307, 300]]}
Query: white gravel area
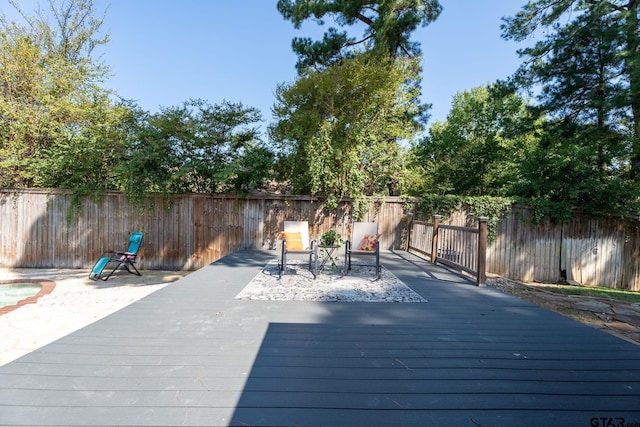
{"points": [[298, 284]]}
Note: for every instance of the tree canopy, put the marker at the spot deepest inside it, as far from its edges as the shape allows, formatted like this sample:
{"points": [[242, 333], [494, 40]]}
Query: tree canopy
{"points": [[53, 108], [342, 125], [338, 130], [196, 147], [566, 168], [587, 63], [479, 148], [387, 24]]}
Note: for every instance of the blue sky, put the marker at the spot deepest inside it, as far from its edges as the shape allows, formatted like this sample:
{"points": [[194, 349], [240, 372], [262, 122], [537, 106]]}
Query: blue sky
{"points": [[164, 52]]}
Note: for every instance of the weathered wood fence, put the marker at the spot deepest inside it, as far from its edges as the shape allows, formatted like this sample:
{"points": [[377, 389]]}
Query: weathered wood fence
{"points": [[603, 252], [187, 232]]}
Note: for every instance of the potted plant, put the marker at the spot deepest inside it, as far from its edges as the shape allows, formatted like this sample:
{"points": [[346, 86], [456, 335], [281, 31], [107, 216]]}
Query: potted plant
{"points": [[331, 238], [329, 242]]}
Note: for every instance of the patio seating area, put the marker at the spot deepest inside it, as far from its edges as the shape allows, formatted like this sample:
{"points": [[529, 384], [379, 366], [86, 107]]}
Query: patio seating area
{"points": [[192, 354]]}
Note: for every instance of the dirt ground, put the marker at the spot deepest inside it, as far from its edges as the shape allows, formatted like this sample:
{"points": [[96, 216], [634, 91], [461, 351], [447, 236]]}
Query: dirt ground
{"points": [[615, 317]]}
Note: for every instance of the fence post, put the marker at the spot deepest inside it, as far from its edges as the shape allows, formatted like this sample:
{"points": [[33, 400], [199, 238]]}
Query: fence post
{"points": [[434, 238], [409, 228], [482, 249]]}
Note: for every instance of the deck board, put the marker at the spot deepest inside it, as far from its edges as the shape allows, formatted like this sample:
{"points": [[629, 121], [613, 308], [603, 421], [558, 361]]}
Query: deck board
{"points": [[190, 354]]}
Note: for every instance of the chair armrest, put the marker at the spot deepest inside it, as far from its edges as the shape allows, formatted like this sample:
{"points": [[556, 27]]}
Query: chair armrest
{"points": [[119, 254]]}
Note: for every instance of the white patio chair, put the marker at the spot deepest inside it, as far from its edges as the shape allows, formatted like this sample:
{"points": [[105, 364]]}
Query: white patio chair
{"points": [[295, 240], [364, 241]]}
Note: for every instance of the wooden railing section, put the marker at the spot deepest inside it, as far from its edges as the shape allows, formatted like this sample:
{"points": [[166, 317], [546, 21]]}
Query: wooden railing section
{"points": [[461, 248]]}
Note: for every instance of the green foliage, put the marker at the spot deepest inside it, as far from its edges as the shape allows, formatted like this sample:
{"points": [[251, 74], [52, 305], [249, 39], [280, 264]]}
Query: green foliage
{"points": [[252, 169], [491, 207], [435, 204], [543, 211], [60, 128], [387, 27], [338, 131], [572, 151], [196, 147], [572, 169], [84, 159], [479, 148], [587, 149], [331, 238], [586, 64]]}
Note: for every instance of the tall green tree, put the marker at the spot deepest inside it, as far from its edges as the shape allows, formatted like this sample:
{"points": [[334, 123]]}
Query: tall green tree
{"points": [[387, 24], [340, 125], [58, 126], [566, 169], [196, 147], [588, 66], [478, 149], [339, 130]]}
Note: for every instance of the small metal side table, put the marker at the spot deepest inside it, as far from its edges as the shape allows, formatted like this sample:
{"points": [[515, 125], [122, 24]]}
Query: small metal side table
{"points": [[325, 253]]}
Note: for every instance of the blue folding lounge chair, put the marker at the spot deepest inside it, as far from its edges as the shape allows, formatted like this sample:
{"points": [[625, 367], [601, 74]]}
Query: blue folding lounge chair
{"points": [[112, 260]]}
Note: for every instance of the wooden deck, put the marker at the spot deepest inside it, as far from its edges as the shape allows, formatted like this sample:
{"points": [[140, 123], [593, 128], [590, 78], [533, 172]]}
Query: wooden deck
{"points": [[190, 354]]}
